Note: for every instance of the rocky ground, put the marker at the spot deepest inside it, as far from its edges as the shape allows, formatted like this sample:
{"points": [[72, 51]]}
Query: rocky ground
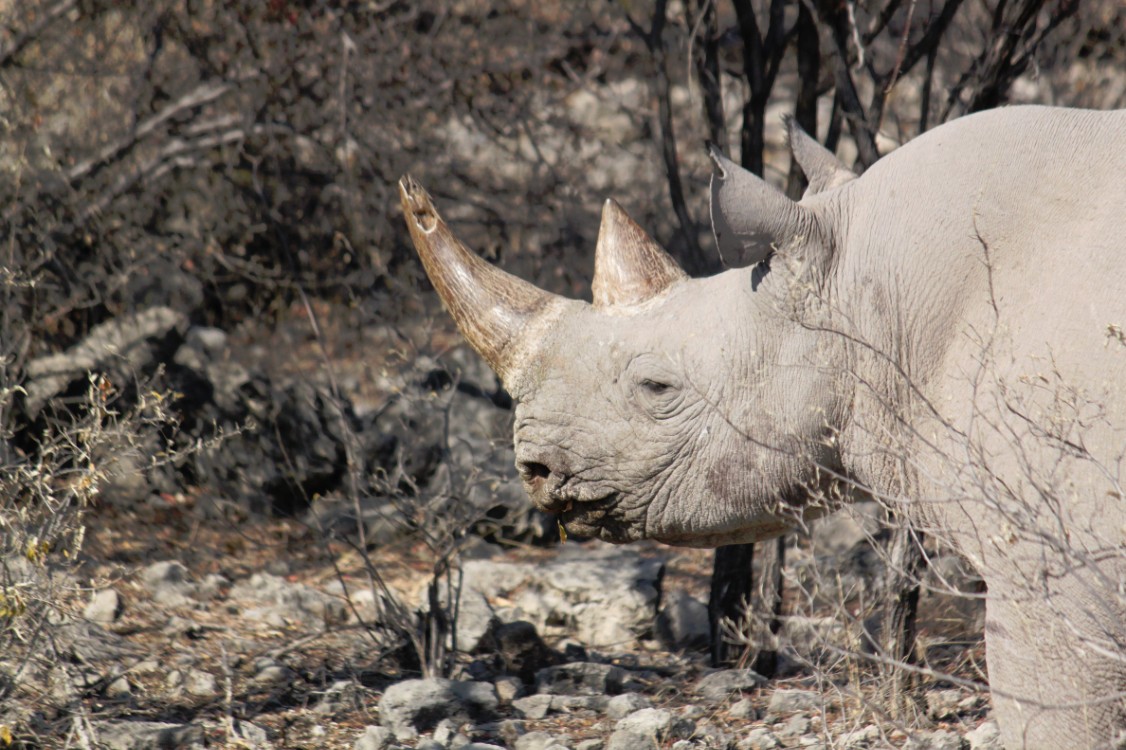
{"points": [[276, 601], [243, 637]]}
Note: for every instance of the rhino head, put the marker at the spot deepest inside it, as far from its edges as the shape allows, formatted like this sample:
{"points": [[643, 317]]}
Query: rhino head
{"points": [[696, 412]]}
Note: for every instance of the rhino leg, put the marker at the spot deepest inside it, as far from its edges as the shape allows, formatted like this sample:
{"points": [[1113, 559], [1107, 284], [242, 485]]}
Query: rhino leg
{"points": [[1055, 666]]}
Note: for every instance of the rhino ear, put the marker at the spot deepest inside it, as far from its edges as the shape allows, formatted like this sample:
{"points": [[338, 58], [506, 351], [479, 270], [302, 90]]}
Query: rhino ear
{"points": [[629, 266], [749, 217], [821, 166]]}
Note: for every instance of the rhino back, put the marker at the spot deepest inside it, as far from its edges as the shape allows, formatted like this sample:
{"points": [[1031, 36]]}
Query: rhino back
{"points": [[1011, 220]]}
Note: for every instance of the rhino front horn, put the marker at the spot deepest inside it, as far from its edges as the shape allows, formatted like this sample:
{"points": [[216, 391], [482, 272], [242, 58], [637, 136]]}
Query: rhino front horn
{"points": [[629, 266], [492, 309]]}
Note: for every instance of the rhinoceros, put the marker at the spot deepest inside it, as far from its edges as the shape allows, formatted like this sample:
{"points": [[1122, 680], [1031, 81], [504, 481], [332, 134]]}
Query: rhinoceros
{"points": [[946, 332]]}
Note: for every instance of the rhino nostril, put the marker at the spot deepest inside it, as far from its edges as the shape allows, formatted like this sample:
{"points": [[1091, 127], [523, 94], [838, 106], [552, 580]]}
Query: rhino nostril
{"points": [[533, 471]]}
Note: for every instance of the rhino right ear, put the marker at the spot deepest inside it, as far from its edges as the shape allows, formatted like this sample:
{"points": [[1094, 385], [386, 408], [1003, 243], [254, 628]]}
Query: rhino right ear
{"points": [[821, 166], [749, 217]]}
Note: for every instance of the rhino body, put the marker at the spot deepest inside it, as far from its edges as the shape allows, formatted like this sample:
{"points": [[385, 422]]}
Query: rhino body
{"points": [[945, 332]]}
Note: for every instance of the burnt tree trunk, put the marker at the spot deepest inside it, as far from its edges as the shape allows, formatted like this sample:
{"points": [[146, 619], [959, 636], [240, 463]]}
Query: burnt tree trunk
{"points": [[898, 624], [732, 584], [733, 592]]}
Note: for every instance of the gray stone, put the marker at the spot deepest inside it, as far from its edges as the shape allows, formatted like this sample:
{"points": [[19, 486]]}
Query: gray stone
{"points": [[533, 706], [511, 730], [509, 688], [940, 739], [540, 741], [418, 705], [119, 689], [943, 704], [250, 735], [743, 709], [479, 746], [104, 606], [658, 723], [795, 726], [195, 681], [759, 738], [200, 683], [711, 736], [580, 678], [211, 586], [572, 703], [445, 732], [288, 602], [211, 342], [167, 582], [808, 636], [683, 622], [539, 706], [625, 740], [163, 573], [271, 673], [621, 706], [790, 701], [148, 735], [720, 685], [602, 597], [474, 619], [986, 737], [866, 736], [341, 696], [593, 744]]}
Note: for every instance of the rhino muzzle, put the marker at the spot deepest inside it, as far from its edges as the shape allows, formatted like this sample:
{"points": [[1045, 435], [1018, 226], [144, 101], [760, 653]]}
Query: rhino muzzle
{"points": [[555, 491]]}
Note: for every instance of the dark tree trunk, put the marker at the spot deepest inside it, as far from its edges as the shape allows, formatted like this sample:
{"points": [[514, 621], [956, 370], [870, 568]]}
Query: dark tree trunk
{"points": [[898, 626], [732, 583], [805, 108]]}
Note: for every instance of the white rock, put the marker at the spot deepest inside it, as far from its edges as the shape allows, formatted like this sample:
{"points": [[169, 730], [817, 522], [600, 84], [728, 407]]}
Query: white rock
{"points": [[373, 738], [104, 606], [759, 738], [986, 737], [621, 706], [789, 701]]}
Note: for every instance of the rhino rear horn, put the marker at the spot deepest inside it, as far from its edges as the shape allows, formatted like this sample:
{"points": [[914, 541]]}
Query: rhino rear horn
{"points": [[822, 168], [493, 309], [749, 217], [629, 266]]}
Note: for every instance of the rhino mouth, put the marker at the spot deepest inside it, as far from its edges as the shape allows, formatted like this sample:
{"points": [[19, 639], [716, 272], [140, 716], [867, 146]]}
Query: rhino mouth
{"points": [[600, 518]]}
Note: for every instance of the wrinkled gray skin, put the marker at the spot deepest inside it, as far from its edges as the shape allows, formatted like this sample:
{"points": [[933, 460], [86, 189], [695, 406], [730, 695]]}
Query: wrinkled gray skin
{"points": [[946, 332]]}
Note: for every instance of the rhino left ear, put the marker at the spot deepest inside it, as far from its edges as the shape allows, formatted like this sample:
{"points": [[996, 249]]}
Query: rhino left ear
{"points": [[749, 217], [629, 266], [822, 168]]}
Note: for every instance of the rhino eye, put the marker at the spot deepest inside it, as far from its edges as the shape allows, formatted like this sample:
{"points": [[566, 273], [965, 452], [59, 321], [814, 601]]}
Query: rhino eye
{"points": [[659, 398], [655, 387]]}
